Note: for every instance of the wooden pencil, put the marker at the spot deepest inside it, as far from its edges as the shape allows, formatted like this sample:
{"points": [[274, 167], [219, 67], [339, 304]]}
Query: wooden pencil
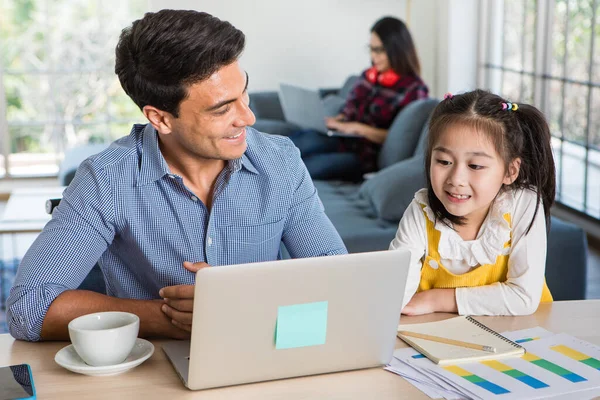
{"points": [[453, 342]]}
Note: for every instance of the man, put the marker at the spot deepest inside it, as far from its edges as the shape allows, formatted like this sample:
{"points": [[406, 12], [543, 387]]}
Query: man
{"points": [[194, 187]]}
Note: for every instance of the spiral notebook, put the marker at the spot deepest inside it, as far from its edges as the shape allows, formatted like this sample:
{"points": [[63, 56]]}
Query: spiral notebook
{"points": [[463, 328]]}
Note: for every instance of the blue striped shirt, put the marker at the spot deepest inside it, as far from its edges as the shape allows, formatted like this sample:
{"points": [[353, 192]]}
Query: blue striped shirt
{"points": [[126, 211]]}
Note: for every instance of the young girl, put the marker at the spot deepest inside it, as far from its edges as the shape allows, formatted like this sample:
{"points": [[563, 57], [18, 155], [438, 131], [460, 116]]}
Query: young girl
{"points": [[477, 234]]}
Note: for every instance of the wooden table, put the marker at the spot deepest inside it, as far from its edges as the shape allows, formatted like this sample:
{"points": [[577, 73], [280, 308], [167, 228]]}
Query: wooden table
{"points": [[156, 378]]}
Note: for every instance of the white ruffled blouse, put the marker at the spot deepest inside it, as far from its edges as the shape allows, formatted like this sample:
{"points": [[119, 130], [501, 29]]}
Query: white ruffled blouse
{"points": [[521, 293]]}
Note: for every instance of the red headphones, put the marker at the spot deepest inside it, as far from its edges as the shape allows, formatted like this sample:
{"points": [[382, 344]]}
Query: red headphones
{"points": [[387, 78]]}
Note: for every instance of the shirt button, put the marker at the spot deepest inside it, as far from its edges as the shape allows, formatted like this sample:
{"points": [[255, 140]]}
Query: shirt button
{"points": [[172, 176], [194, 198], [210, 241]]}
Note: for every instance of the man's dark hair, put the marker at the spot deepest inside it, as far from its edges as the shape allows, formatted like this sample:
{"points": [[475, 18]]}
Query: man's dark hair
{"points": [[160, 55], [398, 45]]}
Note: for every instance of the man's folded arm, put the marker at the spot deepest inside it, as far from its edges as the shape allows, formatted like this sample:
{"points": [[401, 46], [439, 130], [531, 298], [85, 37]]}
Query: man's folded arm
{"points": [[58, 260], [72, 303], [63, 254]]}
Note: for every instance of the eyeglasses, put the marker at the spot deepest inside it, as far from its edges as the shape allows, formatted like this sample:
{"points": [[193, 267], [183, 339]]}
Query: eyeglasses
{"points": [[376, 49]]}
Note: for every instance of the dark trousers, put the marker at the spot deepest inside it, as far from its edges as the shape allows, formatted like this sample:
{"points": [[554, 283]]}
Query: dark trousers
{"points": [[324, 159]]}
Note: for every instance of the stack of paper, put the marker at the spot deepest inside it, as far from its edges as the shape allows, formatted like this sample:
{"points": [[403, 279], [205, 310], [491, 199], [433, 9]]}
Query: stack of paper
{"points": [[554, 365]]}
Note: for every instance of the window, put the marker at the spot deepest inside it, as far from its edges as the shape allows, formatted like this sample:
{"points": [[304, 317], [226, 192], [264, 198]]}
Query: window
{"points": [[546, 52], [57, 83]]}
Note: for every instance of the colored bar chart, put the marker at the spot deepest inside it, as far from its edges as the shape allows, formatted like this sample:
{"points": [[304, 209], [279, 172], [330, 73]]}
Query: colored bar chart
{"points": [[551, 367], [515, 373], [554, 365], [577, 356], [476, 380], [525, 340]]}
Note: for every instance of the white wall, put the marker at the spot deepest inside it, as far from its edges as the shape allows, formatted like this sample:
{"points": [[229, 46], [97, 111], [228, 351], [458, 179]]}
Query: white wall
{"points": [[312, 43], [446, 32], [318, 43], [462, 45], [424, 19]]}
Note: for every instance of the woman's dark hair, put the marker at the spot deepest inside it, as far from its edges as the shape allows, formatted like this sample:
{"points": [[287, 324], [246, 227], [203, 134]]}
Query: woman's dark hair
{"points": [[523, 133], [160, 55], [398, 45]]}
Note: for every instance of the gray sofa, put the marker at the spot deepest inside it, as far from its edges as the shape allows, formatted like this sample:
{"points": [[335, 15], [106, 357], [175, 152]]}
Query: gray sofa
{"points": [[367, 214]]}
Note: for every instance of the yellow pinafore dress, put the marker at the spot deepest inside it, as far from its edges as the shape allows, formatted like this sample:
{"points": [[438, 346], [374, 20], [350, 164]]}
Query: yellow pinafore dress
{"points": [[435, 276]]}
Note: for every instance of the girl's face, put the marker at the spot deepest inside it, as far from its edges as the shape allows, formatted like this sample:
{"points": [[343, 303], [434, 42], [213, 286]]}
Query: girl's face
{"points": [[379, 57], [467, 173]]}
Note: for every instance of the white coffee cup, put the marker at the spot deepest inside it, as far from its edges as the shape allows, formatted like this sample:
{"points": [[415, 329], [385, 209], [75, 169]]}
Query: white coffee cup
{"points": [[104, 338]]}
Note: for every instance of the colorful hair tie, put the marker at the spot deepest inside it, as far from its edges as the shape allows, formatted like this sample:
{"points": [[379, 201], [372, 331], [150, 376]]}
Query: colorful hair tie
{"points": [[448, 96], [510, 106]]}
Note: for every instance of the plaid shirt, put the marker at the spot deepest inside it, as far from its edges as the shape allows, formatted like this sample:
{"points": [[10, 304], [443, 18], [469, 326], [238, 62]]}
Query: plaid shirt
{"points": [[377, 106]]}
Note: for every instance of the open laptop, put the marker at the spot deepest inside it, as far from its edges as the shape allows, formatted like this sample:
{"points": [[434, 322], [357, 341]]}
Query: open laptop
{"points": [[305, 108], [241, 313]]}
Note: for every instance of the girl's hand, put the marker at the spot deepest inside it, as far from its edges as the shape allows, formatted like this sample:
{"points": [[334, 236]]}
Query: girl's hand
{"points": [[419, 304], [430, 301]]}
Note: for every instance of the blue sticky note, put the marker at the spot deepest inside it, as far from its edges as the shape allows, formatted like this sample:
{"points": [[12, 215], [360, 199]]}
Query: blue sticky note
{"points": [[301, 325]]}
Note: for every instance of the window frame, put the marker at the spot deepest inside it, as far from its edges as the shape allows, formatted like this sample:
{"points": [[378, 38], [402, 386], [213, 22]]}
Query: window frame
{"points": [[491, 69]]}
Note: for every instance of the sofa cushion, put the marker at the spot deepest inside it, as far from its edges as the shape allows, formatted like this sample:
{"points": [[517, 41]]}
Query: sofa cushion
{"points": [[347, 87], [391, 190], [354, 218], [334, 101], [266, 105], [566, 261], [422, 145], [403, 135], [275, 127], [333, 104]]}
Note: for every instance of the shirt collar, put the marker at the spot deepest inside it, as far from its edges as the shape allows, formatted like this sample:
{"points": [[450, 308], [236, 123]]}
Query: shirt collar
{"points": [[154, 167], [246, 163]]}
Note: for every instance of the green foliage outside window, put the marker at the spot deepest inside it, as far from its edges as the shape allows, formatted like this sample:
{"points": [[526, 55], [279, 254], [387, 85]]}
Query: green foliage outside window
{"points": [[57, 67]]}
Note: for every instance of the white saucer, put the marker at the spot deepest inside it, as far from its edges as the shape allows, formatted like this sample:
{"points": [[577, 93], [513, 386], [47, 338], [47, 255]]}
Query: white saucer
{"points": [[68, 358]]}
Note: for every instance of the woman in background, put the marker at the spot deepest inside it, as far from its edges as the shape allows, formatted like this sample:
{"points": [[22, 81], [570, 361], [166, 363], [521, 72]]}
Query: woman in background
{"points": [[379, 94]]}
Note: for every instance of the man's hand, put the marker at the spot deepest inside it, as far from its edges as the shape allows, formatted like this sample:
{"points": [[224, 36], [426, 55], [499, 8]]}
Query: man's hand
{"points": [[430, 301], [179, 299]]}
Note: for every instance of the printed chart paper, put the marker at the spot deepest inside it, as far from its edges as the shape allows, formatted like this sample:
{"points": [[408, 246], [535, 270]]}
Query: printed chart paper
{"points": [[555, 364]]}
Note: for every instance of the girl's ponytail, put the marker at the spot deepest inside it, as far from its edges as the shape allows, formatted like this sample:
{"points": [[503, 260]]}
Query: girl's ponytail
{"points": [[537, 169]]}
